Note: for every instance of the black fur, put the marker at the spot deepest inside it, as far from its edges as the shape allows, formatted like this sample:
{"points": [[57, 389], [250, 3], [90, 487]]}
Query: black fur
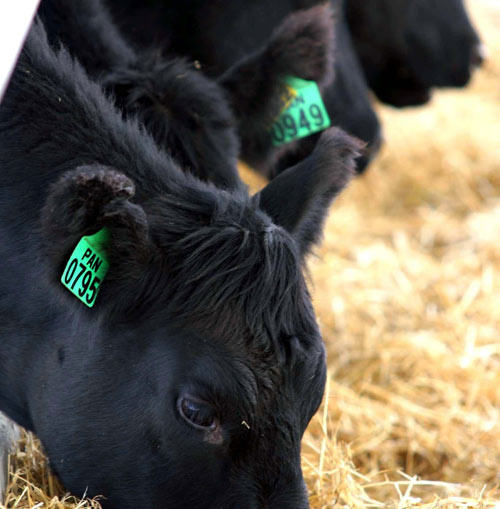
{"points": [[407, 47], [205, 301]]}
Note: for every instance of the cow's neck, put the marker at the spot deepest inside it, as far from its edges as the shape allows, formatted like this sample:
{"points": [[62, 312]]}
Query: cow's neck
{"points": [[15, 364], [25, 344]]}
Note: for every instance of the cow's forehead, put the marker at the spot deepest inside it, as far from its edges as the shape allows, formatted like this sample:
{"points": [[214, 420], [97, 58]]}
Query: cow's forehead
{"points": [[237, 374], [236, 270], [255, 381]]}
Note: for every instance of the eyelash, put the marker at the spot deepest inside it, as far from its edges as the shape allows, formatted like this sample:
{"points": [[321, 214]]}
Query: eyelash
{"points": [[190, 410]]}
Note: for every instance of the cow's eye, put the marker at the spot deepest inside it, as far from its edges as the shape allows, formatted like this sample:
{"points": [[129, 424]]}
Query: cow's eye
{"points": [[197, 413]]}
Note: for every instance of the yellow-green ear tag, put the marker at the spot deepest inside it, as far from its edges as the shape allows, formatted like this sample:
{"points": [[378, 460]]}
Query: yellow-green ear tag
{"points": [[305, 114], [87, 267]]}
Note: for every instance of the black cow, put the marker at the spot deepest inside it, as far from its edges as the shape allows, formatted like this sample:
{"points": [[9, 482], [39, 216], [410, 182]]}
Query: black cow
{"points": [[218, 34], [187, 112], [407, 47], [190, 382]]}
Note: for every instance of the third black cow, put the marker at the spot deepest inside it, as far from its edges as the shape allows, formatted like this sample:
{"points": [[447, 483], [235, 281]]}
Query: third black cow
{"points": [[408, 47]]}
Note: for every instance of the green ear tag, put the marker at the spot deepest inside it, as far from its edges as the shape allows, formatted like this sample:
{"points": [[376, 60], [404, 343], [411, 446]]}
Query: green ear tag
{"points": [[303, 115], [87, 267]]}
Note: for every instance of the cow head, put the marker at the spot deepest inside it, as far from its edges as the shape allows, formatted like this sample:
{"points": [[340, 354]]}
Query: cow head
{"points": [[192, 380], [407, 47]]}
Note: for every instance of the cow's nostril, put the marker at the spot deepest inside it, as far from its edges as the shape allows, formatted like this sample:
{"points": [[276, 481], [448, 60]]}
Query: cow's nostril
{"points": [[479, 55]]}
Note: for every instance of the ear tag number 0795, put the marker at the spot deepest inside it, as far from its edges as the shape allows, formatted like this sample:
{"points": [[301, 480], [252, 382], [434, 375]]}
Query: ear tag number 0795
{"points": [[305, 114], [87, 267]]}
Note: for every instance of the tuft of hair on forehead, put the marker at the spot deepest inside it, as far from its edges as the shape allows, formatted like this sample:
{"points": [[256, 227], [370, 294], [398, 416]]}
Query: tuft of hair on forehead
{"points": [[231, 273]]}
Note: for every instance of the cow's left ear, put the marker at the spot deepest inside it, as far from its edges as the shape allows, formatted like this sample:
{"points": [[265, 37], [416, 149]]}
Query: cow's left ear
{"points": [[303, 47], [85, 200], [298, 198]]}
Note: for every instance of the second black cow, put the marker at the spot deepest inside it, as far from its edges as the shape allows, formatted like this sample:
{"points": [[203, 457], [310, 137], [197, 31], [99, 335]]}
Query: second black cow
{"points": [[204, 123], [219, 34]]}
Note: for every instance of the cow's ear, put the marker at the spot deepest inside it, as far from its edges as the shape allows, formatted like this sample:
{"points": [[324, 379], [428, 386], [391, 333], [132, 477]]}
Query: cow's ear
{"points": [[298, 198], [82, 202], [302, 46]]}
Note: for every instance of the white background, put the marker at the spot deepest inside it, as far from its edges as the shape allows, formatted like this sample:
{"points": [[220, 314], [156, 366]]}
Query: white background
{"points": [[15, 20]]}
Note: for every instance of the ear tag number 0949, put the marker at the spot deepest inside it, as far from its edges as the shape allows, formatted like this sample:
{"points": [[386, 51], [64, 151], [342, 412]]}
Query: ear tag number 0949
{"points": [[305, 114], [87, 267]]}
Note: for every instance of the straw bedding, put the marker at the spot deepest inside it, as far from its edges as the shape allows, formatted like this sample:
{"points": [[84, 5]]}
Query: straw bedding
{"points": [[407, 290]]}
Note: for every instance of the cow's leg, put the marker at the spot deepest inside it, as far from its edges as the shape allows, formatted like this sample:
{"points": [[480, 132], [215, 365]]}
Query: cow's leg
{"points": [[9, 434]]}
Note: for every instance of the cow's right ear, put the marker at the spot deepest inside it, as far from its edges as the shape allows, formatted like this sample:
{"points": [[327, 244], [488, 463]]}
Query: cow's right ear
{"points": [[85, 200], [298, 198]]}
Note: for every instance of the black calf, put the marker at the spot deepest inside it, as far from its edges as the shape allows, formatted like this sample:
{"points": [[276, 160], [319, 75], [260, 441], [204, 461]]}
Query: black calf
{"points": [[407, 47], [220, 33], [190, 382], [187, 113]]}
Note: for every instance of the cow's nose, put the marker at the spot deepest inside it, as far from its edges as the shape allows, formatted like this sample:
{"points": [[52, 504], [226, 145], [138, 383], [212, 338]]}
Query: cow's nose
{"points": [[288, 496], [286, 505], [478, 55]]}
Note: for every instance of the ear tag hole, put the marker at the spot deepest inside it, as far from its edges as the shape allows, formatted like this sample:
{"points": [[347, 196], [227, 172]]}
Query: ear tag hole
{"points": [[304, 112], [87, 267]]}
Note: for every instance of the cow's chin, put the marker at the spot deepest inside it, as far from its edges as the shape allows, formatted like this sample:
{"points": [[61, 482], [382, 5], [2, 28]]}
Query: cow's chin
{"points": [[404, 97]]}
